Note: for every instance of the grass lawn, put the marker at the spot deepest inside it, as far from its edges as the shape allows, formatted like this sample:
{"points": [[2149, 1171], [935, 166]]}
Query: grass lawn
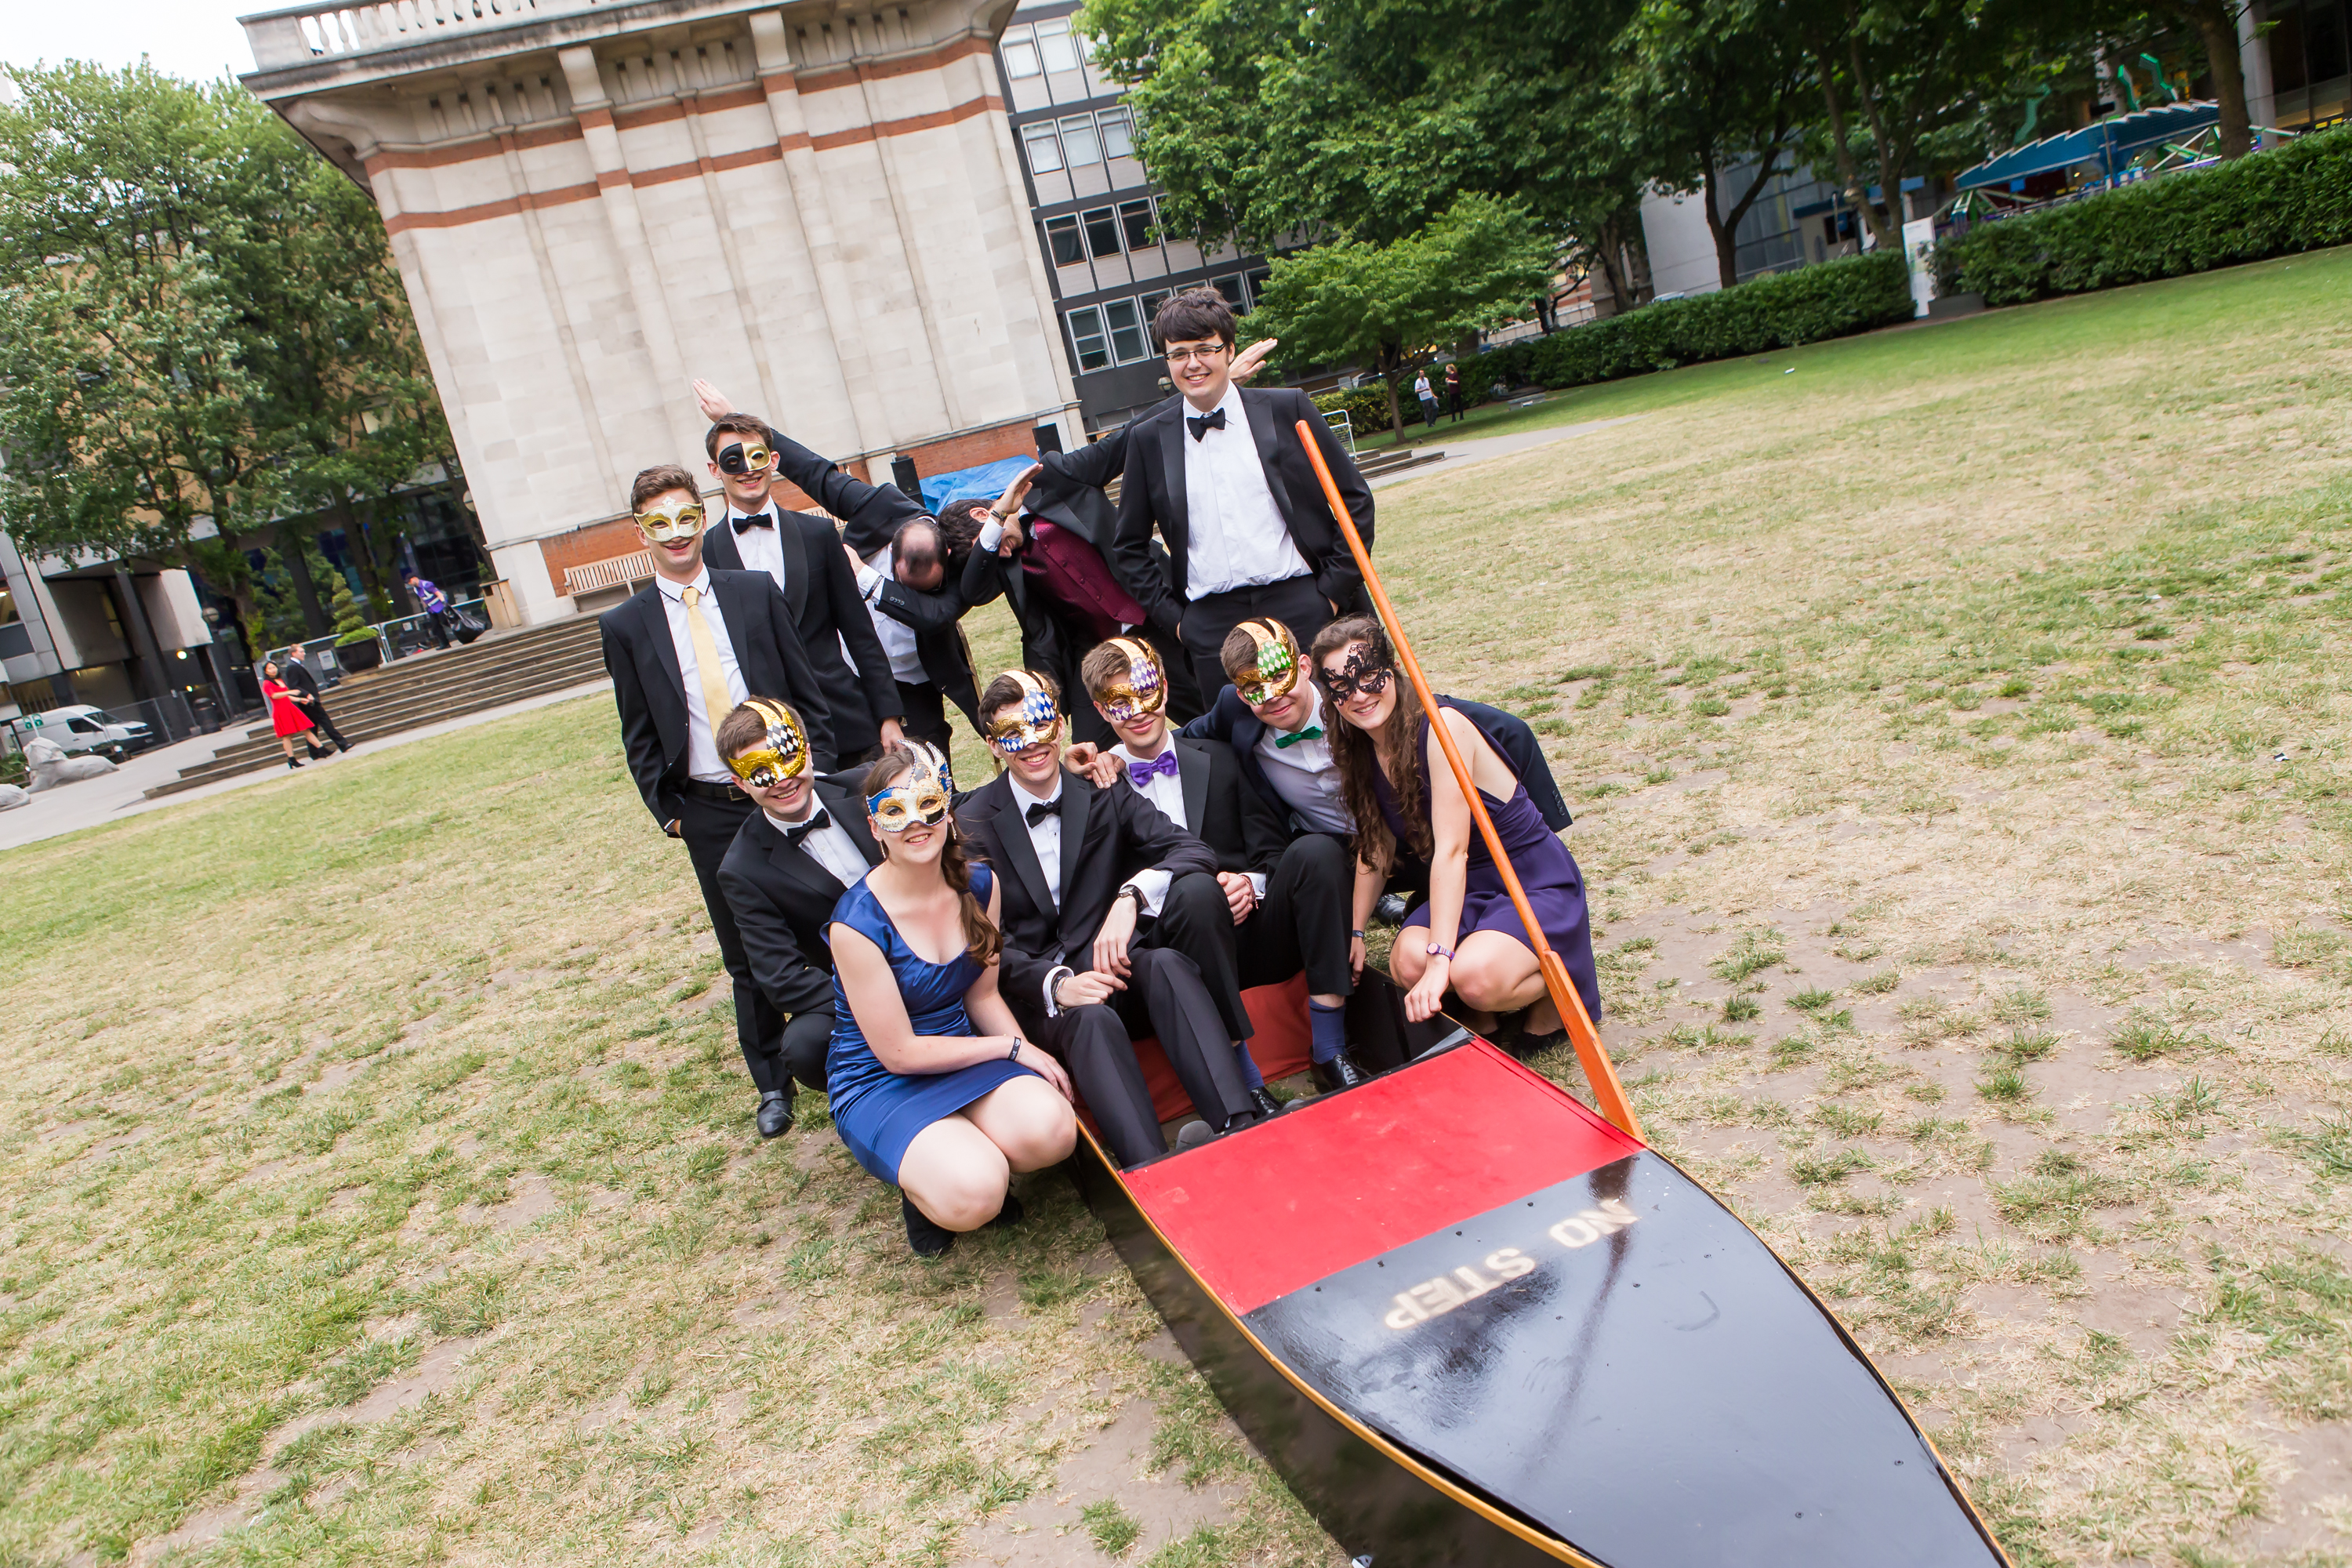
{"points": [[1957, 730]]}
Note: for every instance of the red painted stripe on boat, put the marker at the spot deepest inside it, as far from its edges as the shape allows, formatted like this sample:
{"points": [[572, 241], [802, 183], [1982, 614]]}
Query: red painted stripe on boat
{"points": [[1344, 1179]]}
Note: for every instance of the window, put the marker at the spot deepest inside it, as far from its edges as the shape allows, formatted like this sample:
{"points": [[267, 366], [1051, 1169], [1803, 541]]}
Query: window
{"points": [[1230, 286], [1151, 303], [1117, 133], [7, 606], [1062, 237], [1087, 334], [1079, 142], [1128, 340], [1020, 54], [1045, 149], [1257, 284], [1135, 217], [1102, 232], [1054, 43]]}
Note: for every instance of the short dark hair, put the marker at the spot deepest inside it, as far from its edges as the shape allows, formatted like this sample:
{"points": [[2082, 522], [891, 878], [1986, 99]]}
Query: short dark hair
{"points": [[733, 424], [651, 482], [960, 522], [1239, 652], [1004, 692], [1194, 313], [747, 726]]}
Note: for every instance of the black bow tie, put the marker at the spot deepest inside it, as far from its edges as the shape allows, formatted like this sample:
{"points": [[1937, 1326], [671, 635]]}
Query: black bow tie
{"points": [[799, 831], [765, 519], [1201, 423], [1040, 810]]}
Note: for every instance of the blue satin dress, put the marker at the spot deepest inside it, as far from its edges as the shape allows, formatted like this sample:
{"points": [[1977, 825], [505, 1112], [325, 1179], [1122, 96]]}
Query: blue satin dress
{"points": [[877, 1112]]}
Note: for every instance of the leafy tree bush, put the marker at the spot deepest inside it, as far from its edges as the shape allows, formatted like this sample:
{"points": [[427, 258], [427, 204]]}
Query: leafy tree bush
{"points": [[1830, 300], [1366, 407], [2296, 197], [351, 626]]}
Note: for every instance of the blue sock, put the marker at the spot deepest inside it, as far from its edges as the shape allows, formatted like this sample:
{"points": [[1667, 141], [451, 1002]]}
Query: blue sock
{"points": [[1251, 1076], [1330, 1030]]}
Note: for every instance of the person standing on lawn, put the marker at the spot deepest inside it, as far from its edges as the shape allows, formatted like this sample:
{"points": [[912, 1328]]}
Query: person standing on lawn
{"points": [[1454, 391], [1428, 399]]}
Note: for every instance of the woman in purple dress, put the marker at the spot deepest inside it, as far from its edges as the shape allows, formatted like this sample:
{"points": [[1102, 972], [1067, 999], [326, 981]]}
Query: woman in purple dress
{"points": [[1467, 937]]}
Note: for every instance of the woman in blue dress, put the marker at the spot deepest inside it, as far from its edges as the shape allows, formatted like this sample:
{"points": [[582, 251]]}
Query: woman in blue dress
{"points": [[1467, 937], [921, 1096]]}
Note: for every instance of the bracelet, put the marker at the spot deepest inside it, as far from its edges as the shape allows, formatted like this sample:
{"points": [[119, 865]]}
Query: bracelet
{"points": [[1358, 933], [1014, 1054]]}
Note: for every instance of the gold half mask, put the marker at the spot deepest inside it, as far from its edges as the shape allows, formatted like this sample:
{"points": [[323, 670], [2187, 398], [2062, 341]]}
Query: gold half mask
{"points": [[736, 459], [917, 796], [785, 755], [1277, 663], [1032, 722], [664, 523], [1142, 690]]}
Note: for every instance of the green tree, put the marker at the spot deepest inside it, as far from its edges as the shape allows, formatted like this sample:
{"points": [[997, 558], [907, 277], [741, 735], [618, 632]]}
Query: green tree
{"points": [[1480, 264]]}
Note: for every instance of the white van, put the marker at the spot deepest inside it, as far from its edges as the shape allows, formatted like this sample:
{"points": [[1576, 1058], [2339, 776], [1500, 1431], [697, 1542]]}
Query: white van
{"points": [[78, 727]]}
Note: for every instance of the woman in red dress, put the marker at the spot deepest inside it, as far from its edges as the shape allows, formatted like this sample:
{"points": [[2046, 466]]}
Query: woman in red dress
{"points": [[286, 715]]}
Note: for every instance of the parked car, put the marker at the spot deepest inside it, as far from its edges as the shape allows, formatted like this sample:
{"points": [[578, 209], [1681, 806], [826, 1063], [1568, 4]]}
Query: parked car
{"points": [[78, 727]]}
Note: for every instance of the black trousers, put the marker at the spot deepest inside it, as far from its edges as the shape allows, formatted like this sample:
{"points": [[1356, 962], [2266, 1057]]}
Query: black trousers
{"points": [[1164, 999], [1301, 924], [1295, 602], [317, 710], [927, 714], [709, 827], [806, 1038]]}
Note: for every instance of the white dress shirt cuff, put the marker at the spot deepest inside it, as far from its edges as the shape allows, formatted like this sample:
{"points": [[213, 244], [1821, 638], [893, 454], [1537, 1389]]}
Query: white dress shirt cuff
{"points": [[1257, 885], [1053, 977], [1152, 883], [992, 533], [869, 582]]}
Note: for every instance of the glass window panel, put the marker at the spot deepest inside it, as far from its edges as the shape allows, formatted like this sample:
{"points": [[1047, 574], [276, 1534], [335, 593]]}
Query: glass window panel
{"points": [[1045, 148], [1020, 59], [7, 606], [1086, 334], [1257, 284], [2288, 72], [1152, 301], [2323, 46], [1117, 133], [1102, 232], [1127, 338], [1062, 237], [1054, 43], [1135, 217], [1079, 140], [1230, 286]]}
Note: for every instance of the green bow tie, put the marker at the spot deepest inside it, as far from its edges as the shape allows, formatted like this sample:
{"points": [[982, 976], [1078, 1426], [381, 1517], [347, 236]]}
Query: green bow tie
{"points": [[1312, 732]]}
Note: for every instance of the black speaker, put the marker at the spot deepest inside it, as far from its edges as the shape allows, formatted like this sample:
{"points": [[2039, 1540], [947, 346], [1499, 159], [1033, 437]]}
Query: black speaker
{"points": [[1049, 438], [902, 474]]}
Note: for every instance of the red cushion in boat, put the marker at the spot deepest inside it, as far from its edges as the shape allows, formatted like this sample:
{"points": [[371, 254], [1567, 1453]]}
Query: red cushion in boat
{"points": [[1280, 1046]]}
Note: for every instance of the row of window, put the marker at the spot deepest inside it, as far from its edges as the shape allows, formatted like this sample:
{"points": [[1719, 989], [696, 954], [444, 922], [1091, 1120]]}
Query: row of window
{"points": [[1101, 231], [1118, 331], [1079, 140], [1047, 46]]}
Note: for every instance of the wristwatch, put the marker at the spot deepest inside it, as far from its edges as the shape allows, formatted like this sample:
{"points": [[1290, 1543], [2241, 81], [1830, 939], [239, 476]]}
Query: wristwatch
{"points": [[1435, 951]]}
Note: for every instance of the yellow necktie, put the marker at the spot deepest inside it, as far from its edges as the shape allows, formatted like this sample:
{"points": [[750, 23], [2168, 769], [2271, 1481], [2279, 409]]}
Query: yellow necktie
{"points": [[716, 703]]}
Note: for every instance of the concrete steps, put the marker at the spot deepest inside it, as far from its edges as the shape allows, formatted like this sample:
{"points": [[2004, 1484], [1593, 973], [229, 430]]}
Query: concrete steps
{"points": [[501, 667]]}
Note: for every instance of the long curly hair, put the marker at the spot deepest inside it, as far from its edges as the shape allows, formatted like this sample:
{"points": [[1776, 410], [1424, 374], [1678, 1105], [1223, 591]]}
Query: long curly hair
{"points": [[982, 941], [1363, 754]]}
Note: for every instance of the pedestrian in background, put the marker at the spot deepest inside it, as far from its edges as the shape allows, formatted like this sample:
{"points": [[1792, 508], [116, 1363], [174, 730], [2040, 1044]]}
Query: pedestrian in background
{"points": [[305, 687], [286, 715], [1428, 399], [435, 606], [1453, 390]]}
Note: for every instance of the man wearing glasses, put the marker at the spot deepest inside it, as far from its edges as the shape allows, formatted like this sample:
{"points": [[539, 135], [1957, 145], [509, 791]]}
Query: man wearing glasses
{"points": [[1219, 472], [683, 653], [803, 555]]}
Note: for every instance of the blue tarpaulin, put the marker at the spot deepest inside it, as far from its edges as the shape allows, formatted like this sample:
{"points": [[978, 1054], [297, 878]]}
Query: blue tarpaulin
{"points": [[989, 481], [2110, 144]]}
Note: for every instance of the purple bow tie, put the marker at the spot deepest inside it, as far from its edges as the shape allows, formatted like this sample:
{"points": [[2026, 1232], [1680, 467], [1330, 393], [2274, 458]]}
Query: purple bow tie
{"points": [[1142, 774]]}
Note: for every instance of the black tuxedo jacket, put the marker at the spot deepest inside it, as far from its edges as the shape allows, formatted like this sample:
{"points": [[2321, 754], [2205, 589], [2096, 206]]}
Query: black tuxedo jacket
{"points": [[1047, 642], [649, 688], [1107, 835], [1071, 490], [297, 675], [822, 593], [1152, 496], [1231, 721], [782, 898], [936, 618], [1223, 811], [869, 514]]}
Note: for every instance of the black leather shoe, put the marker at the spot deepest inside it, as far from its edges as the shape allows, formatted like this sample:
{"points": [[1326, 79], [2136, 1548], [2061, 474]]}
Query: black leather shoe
{"points": [[1339, 1072], [929, 1240], [1267, 1106], [1011, 1214], [1392, 908], [775, 1114]]}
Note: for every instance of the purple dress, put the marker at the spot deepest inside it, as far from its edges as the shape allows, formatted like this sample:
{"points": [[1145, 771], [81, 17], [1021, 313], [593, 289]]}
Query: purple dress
{"points": [[1547, 873]]}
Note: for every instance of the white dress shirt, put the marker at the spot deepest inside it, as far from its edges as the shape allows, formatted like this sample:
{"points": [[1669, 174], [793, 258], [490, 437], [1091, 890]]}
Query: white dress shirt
{"points": [[830, 847], [762, 548], [1236, 533], [701, 752], [897, 636], [1167, 792], [1045, 838], [1303, 773]]}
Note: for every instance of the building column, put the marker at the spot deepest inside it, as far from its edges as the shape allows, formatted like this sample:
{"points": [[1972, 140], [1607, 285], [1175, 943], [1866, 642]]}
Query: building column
{"points": [[2254, 60]]}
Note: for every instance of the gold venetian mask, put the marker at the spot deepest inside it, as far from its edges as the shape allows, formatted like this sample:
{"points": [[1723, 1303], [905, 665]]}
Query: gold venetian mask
{"points": [[738, 460], [784, 755], [663, 523], [1277, 663], [1142, 690], [1034, 721], [917, 796]]}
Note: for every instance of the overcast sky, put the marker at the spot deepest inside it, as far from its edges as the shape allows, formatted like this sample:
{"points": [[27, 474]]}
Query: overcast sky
{"points": [[194, 38]]}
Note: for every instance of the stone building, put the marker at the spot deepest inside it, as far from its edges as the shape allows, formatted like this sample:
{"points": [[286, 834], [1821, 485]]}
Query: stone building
{"points": [[820, 208]]}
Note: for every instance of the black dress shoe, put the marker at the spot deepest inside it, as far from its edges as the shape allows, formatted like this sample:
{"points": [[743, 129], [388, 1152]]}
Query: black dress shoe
{"points": [[1392, 908], [1011, 1214], [775, 1114], [1527, 1045], [927, 1239], [1339, 1072], [1267, 1106]]}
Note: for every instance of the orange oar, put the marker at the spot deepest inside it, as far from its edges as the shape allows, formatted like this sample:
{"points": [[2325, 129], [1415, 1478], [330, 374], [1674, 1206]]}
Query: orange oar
{"points": [[1608, 1092]]}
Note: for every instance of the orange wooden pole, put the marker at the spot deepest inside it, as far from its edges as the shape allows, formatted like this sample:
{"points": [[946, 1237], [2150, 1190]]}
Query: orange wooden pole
{"points": [[1608, 1092]]}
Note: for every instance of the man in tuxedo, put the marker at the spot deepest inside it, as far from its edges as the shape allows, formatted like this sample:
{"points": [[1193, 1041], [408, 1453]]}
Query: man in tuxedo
{"points": [[868, 514], [804, 554], [916, 614], [1218, 472], [296, 671], [683, 653], [805, 846], [1082, 970], [1288, 896]]}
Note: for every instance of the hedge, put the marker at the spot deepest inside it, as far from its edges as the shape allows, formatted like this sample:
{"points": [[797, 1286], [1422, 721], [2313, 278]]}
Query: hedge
{"points": [[1853, 294], [2295, 197], [1367, 407]]}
